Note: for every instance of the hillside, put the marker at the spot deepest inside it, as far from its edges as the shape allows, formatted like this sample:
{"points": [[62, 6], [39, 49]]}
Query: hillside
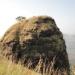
{"points": [[70, 42]]}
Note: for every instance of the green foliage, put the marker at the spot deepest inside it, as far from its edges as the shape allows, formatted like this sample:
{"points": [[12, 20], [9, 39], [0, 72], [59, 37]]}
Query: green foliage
{"points": [[20, 18]]}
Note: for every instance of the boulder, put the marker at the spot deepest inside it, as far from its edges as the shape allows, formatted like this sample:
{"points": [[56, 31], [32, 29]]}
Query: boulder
{"points": [[33, 39]]}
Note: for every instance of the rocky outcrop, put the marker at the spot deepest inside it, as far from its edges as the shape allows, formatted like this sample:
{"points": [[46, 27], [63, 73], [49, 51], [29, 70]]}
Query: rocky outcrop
{"points": [[31, 39]]}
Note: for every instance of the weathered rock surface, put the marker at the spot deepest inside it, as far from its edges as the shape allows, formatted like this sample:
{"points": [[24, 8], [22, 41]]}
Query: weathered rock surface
{"points": [[31, 39]]}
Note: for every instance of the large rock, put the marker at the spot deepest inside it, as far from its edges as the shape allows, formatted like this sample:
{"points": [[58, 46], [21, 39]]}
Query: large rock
{"points": [[31, 39]]}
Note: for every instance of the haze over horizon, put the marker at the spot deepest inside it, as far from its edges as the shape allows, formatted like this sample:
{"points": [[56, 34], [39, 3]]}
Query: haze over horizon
{"points": [[63, 11]]}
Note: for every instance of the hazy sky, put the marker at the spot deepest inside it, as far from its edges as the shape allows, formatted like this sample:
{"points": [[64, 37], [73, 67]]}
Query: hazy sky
{"points": [[63, 11]]}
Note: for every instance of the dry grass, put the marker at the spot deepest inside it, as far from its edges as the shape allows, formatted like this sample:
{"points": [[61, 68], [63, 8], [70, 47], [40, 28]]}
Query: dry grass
{"points": [[49, 70], [9, 68], [73, 70]]}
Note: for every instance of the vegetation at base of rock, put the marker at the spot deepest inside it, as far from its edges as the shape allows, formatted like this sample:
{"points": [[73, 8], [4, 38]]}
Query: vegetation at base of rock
{"points": [[10, 68]]}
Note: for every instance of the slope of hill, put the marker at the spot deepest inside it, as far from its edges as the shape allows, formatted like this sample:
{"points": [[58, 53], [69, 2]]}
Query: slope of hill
{"points": [[70, 42]]}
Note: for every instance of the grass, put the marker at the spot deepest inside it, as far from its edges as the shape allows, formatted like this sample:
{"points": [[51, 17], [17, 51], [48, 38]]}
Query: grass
{"points": [[73, 70], [9, 68]]}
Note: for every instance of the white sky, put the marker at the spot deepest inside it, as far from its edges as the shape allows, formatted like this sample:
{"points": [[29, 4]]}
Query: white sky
{"points": [[63, 11]]}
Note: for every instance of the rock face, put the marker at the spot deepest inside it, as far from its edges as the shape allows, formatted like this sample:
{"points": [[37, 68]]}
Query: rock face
{"points": [[31, 39]]}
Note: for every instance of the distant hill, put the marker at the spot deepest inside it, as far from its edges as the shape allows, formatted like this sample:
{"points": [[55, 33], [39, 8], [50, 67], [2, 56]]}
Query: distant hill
{"points": [[70, 42]]}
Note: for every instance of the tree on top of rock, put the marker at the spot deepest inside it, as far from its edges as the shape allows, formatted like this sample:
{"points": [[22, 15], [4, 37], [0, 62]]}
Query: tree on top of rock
{"points": [[20, 18]]}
